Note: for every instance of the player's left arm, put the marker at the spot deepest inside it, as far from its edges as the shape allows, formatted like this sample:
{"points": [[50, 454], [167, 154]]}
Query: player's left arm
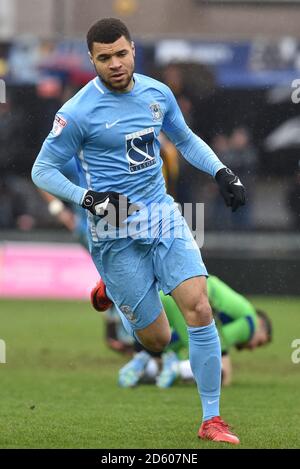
{"points": [[199, 154]]}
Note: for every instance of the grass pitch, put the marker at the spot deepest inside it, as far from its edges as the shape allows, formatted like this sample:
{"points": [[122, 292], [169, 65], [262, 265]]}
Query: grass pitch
{"points": [[59, 386]]}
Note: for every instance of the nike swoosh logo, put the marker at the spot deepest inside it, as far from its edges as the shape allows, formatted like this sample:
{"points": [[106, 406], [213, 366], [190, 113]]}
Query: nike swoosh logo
{"points": [[108, 126], [238, 183], [212, 402]]}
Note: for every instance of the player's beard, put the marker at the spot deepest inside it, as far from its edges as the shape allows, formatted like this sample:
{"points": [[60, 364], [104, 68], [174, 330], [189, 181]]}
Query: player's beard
{"points": [[117, 86]]}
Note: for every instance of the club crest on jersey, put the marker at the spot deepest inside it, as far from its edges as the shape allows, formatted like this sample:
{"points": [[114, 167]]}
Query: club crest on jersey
{"points": [[140, 150], [157, 114], [128, 313], [58, 125]]}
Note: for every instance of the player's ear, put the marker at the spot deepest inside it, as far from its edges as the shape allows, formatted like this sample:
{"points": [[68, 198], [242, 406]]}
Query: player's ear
{"points": [[91, 58], [133, 48]]}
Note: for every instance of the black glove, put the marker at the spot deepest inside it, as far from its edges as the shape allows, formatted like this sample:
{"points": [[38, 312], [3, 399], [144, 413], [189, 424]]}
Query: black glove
{"points": [[231, 188], [98, 204]]}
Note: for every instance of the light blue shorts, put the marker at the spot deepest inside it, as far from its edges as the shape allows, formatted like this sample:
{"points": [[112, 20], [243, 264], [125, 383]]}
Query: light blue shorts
{"points": [[134, 270]]}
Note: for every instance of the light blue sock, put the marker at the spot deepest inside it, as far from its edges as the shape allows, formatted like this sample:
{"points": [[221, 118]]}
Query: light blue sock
{"points": [[205, 359]]}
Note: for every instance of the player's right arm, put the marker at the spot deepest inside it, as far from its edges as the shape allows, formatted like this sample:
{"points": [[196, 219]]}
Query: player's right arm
{"points": [[63, 142]]}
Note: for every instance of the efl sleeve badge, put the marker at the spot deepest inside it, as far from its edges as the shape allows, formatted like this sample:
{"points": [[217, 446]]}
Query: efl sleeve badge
{"points": [[58, 125]]}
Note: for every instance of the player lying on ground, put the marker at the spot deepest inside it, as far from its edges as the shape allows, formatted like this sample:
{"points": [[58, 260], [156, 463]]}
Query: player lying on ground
{"points": [[112, 125], [239, 324]]}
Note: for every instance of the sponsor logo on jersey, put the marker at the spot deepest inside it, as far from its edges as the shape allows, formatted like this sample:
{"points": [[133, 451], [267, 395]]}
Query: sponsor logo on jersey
{"points": [[58, 125], [157, 114], [140, 150]]}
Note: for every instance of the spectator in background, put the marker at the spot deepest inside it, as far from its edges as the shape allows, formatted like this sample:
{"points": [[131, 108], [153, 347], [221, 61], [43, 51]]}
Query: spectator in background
{"points": [[238, 153], [221, 144], [244, 159], [17, 134], [172, 76], [49, 91], [13, 207], [242, 155], [217, 218], [11, 137]]}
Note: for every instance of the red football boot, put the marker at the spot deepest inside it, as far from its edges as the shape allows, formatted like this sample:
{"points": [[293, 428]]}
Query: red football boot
{"points": [[216, 429], [99, 299]]}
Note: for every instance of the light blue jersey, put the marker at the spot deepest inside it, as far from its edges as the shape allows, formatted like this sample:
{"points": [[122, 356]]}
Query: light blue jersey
{"points": [[72, 170], [115, 138]]}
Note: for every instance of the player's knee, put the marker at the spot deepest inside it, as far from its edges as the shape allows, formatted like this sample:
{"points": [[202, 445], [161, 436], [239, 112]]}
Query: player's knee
{"points": [[158, 343], [200, 314]]}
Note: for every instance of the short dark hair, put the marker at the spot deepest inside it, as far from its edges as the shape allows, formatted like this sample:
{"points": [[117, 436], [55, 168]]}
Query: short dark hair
{"points": [[267, 323], [107, 31]]}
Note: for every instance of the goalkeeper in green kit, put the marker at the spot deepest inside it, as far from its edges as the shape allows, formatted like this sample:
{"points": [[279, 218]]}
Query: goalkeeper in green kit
{"points": [[239, 324]]}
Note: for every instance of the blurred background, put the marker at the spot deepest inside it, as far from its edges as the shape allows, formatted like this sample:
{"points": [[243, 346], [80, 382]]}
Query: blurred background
{"points": [[234, 68]]}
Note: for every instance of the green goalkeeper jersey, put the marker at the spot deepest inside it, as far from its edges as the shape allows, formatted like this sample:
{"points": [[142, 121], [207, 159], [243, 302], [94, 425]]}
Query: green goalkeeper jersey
{"points": [[235, 317]]}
